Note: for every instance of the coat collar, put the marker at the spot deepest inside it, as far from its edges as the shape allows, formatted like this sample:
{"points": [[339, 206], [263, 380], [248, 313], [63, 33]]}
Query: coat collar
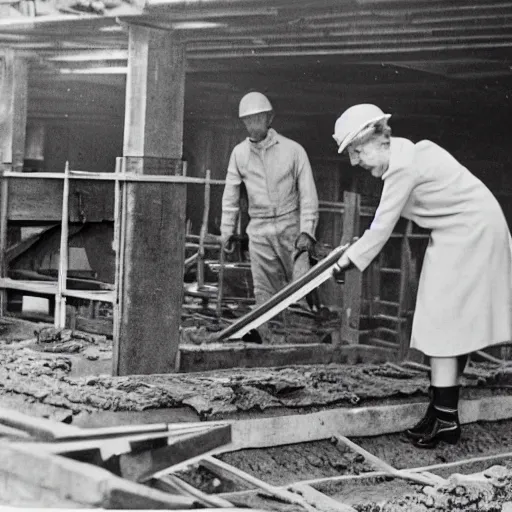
{"points": [[402, 155], [269, 140]]}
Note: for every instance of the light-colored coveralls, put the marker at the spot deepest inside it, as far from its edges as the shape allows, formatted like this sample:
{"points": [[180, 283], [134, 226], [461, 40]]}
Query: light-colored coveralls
{"points": [[283, 203], [464, 300]]}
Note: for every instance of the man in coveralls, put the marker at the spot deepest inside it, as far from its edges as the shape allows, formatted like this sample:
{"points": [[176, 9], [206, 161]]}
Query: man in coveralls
{"points": [[283, 201]]}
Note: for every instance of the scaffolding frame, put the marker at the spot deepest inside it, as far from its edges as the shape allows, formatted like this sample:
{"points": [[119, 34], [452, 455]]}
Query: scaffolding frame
{"points": [[59, 289]]}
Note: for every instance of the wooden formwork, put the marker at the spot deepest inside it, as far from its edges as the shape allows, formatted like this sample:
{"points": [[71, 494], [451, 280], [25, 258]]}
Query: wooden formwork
{"points": [[47, 464]]}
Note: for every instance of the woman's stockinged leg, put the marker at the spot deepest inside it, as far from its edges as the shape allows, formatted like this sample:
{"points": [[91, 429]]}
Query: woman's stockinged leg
{"points": [[444, 371]]}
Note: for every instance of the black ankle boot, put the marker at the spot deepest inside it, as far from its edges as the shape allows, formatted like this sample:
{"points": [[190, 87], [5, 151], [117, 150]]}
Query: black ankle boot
{"points": [[445, 425], [425, 423]]}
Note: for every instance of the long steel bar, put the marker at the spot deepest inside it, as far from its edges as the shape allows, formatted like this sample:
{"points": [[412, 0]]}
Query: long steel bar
{"points": [[320, 273]]}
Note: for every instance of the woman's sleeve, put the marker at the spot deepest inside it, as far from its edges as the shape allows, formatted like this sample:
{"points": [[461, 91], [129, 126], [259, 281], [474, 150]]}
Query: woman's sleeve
{"points": [[395, 193]]}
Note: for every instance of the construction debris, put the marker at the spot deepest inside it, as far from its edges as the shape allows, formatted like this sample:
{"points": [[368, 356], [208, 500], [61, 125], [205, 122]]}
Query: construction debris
{"points": [[488, 491], [52, 339]]}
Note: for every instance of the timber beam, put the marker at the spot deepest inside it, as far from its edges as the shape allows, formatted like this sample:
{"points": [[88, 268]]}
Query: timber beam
{"points": [[151, 254]]}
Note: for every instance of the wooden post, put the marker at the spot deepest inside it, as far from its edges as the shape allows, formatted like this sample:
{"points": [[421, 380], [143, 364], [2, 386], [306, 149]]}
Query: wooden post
{"points": [[153, 214], [203, 232], [13, 120], [13, 108], [352, 288], [60, 298]]}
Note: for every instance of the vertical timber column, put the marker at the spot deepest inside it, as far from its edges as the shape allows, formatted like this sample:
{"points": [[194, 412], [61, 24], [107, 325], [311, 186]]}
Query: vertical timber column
{"points": [[353, 278], [13, 108], [151, 282], [13, 121]]}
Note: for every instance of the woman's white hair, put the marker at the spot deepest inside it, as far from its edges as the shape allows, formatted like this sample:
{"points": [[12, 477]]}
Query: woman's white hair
{"points": [[374, 130]]}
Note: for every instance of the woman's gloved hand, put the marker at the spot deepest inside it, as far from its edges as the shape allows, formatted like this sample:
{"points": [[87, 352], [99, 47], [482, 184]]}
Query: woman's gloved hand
{"points": [[341, 265]]}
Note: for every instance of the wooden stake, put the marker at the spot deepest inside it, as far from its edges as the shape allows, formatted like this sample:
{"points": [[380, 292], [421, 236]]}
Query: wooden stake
{"points": [[117, 246], [60, 298], [204, 231]]}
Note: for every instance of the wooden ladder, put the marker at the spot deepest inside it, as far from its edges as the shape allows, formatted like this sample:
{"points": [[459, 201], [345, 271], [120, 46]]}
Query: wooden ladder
{"points": [[393, 311]]}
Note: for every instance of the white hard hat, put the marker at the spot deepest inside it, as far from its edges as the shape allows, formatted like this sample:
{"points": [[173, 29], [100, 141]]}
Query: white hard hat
{"points": [[354, 121], [254, 103]]}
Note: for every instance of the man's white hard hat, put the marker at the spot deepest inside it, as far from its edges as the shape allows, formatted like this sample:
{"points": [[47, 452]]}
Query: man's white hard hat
{"points": [[354, 121], [253, 103]]}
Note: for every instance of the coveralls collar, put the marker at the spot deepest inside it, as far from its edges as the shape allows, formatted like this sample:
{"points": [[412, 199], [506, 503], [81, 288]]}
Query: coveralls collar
{"points": [[268, 141], [401, 155]]}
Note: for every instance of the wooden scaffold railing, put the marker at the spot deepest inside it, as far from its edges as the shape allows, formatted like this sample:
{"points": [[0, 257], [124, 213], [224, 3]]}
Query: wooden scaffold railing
{"points": [[59, 289]]}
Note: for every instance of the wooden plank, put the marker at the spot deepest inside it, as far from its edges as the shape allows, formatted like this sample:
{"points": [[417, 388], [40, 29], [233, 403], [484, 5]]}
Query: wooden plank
{"points": [[369, 477], [142, 464], [40, 428], [154, 215], [95, 325], [246, 355], [353, 421], [116, 431], [174, 484], [319, 500], [51, 478], [221, 468], [40, 199], [384, 466], [352, 288]]}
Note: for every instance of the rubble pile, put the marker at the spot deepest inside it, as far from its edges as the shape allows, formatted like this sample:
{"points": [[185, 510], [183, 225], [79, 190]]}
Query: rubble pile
{"points": [[488, 491], [51, 339]]}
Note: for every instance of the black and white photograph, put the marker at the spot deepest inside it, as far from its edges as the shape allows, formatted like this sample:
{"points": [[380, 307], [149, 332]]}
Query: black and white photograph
{"points": [[256, 255]]}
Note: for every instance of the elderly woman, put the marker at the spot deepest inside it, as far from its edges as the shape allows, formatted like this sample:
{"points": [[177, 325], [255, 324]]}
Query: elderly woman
{"points": [[464, 300]]}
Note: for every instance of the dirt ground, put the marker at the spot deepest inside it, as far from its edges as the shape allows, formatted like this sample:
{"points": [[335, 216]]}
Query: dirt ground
{"points": [[42, 381], [285, 465], [307, 461], [31, 370]]}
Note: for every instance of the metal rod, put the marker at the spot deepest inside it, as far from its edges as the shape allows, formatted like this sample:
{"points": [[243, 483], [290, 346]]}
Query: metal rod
{"points": [[282, 299]]}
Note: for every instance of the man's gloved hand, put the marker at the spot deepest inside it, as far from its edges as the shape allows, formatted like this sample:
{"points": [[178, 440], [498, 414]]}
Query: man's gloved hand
{"points": [[304, 243], [228, 242]]}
